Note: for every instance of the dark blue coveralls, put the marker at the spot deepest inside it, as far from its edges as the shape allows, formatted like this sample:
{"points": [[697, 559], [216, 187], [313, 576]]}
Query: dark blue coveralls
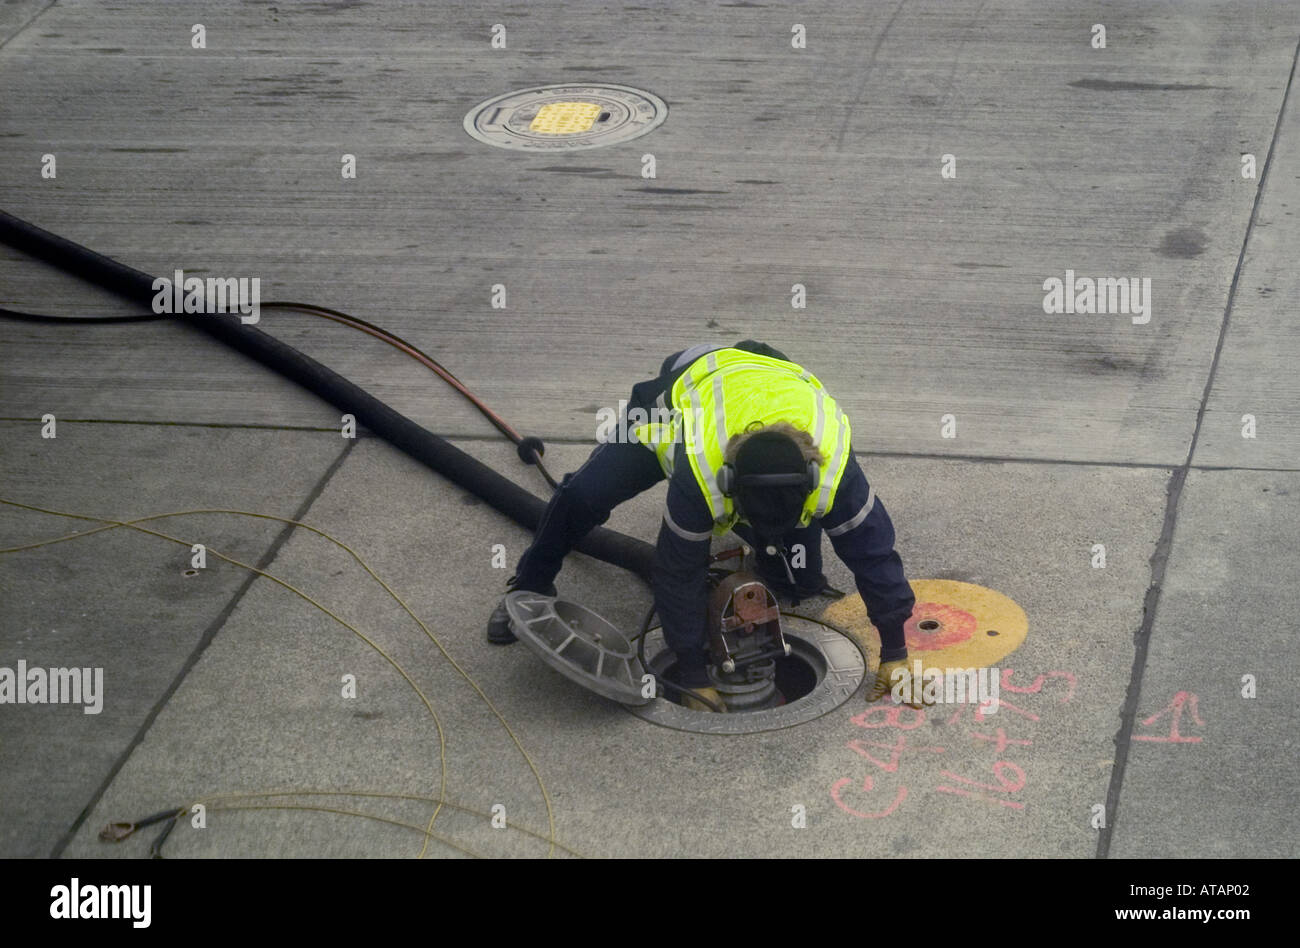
{"points": [[859, 528]]}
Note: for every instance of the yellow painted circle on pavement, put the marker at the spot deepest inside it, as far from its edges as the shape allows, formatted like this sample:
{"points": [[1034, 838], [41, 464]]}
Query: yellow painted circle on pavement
{"points": [[954, 625]]}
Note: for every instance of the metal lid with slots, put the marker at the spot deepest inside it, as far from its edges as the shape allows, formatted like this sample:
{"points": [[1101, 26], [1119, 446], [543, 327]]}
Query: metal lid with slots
{"points": [[578, 644]]}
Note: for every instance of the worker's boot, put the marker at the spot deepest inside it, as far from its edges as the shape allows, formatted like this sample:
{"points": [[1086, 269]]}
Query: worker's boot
{"points": [[498, 627]]}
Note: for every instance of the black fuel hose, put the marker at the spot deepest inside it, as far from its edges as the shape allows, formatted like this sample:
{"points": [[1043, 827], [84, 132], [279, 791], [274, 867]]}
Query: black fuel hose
{"points": [[424, 446]]}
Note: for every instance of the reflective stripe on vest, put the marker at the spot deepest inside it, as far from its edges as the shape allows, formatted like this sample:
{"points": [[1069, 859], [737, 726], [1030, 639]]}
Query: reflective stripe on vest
{"points": [[725, 391]]}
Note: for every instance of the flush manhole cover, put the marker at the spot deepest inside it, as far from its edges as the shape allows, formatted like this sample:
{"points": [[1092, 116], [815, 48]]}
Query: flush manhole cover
{"points": [[566, 117]]}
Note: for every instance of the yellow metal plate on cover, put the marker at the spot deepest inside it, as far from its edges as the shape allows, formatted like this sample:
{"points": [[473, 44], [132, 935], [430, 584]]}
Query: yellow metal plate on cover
{"points": [[954, 625], [565, 118]]}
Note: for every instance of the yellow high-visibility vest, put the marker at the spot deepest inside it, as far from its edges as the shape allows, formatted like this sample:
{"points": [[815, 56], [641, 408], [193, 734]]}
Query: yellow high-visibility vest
{"points": [[725, 391]]}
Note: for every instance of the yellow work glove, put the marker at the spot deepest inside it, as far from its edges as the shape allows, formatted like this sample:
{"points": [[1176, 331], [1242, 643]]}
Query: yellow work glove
{"points": [[883, 686], [708, 692]]}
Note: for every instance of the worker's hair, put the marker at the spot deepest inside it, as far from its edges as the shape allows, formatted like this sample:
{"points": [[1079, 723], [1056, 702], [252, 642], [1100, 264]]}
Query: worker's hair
{"points": [[800, 437]]}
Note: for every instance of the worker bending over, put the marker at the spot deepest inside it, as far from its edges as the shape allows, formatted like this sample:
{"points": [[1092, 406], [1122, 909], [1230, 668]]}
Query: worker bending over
{"points": [[750, 443]]}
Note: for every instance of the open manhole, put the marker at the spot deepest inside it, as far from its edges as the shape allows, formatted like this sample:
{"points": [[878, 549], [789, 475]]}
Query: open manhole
{"points": [[566, 117], [822, 671]]}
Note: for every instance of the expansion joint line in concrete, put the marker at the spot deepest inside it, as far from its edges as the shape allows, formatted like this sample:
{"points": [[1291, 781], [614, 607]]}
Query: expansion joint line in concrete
{"points": [[1160, 557], [208, 635], [172, 423], [362, 434], [238, 801], [8, 39]]}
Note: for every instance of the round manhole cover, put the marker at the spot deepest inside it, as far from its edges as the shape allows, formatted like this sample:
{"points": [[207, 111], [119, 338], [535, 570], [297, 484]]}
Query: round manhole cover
{"points": [[566, 117], [577, 643], [824, 668]]}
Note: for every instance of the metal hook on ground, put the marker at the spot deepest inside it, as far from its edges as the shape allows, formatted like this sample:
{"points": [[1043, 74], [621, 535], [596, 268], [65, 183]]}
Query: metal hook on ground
{"points": [[116, 832]]}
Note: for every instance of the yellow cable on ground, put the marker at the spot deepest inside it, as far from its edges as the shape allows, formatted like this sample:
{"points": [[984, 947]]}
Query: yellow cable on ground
{"points": [[368, 816], [217, 801], [110, 524]]}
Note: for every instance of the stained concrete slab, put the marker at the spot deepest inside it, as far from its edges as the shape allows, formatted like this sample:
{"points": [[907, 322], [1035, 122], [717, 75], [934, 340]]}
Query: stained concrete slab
{"points": [[120, 601], [1213, 772], [1256, 374], [264, 707], [776, 166]]}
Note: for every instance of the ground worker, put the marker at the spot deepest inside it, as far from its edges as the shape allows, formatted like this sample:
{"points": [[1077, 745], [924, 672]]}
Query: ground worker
{"points": [[750, 443]]}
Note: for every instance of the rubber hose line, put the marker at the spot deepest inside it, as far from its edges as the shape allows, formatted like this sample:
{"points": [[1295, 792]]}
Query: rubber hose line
{"points": [[422, 445]]}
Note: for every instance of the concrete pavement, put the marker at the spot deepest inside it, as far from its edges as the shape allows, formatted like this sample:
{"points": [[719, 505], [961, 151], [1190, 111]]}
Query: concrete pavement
{"points": [[777, 166]]}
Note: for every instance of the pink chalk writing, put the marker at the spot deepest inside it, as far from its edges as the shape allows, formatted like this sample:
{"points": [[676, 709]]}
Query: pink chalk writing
{"points": [[980, 713], [1006, 786], [1175, 711], [890, 752], [868, 784], [1037, 686], [896, 751], [1002, 740]]}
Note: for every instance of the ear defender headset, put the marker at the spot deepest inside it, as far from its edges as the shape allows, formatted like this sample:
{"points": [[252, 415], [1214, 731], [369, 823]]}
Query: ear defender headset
{"points": [[767, 450], [729, 481]]}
